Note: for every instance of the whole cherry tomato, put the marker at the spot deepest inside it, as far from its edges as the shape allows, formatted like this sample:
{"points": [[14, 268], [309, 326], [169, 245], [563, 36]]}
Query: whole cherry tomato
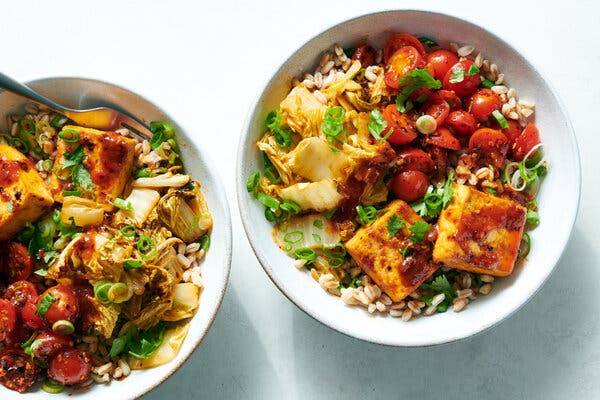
{"points": [[439, 62], [512, 132], [17, 370], [483, 103], [404, 60], [365, 54], [47, 344], [525, 142], [462, 78], [64, 307], [413, 159], [461, 122], [404, 129], [70, 367], [20, 293], [399, 40], [491, 145], [409, 185]]}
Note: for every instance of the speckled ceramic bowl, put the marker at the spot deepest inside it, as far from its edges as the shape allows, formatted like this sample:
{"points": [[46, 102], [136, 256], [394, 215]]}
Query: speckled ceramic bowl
{"points": [[558, 198], [86, 93]]}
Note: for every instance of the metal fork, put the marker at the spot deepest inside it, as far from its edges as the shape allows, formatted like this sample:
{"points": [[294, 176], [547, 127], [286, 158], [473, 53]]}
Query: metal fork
{"points": [[103, 118]]}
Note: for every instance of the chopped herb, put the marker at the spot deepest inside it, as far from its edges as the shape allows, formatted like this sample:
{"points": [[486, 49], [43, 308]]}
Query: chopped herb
{"points": [[253, 181], [41, 272], [305, 253], [349, 51], [415, 80], [44, 304], [273, 119], [419, 229], [161, 132], [405, 252], [473, 70], [491, 191], [283, 136], [395, 223], [487, 84], [447, 190], [329, 214], [205, 242], [122, 204], [457, 75], [500, 118], [438, 285], [291, 207], [316, 237], [267, 200], [378, 125], [428, 41], [366, 214], [147, 342], [333, 122], [271, 174], [293, 237], [317, 223]]}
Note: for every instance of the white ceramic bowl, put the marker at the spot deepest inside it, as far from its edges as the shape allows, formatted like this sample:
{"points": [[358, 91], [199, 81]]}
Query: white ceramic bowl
{"points": [[86, 93], [558, 198]]}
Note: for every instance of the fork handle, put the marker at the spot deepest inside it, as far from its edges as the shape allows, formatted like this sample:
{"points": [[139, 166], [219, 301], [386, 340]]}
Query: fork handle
{"points": [[11, 85]]}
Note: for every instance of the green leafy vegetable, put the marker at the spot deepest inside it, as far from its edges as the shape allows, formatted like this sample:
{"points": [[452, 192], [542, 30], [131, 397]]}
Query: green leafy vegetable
{"points": [[419, 229], [428, 41], [253, 181], [333, 122], [447, 190], [283, 136], [205, 242], [317, 223], [473, 70], [395, 223], [416, 79], [44, 304], [378, 125], [487, 84], [132, 264], [439, 285], [147, 342], [273, 119], [161, 132], [500, 118]]}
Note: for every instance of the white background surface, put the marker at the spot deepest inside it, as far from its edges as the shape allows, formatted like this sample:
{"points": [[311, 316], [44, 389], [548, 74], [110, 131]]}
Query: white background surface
{"points": [[203, 63]]}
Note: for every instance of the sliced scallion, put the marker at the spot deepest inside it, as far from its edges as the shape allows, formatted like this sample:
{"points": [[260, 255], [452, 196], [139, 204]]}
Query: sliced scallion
{"points": [[293, 237], [128, 231], [69, 135], [122, 204], [500, 118], [63, 327], [426, 124], [305, 253]]}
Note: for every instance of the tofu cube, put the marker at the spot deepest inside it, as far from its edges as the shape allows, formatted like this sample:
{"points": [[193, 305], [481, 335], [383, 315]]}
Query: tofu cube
{"points": [[109, 160], [24, 196], [379, 255], [479, 232]]}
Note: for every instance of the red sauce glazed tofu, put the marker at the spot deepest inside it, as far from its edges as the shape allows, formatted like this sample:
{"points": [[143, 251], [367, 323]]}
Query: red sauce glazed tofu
{"points": [[479, 232], [379, 255]]}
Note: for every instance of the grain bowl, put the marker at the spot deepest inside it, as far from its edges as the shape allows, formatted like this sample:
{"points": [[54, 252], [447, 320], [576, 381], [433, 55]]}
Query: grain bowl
{"points": [[350, 89]]}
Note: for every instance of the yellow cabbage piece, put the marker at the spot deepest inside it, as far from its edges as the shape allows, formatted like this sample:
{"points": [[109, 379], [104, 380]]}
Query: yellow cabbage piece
{"points": [[82, 211], [318, 196], [302, 112], [142, 203], [305, 231], [314, 160], [185, 302]]}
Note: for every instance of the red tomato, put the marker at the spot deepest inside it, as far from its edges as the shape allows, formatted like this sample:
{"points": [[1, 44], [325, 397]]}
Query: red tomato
{"points": [[65, 307], [48, 344], [17, 336], [438, 110], [403, 61], [21, 293], [463, 84], [17, 370], [483, 103], [70, 367], [413, 159], [440, 159], [525, 142], [444, 95], [443, 138], [491, 144], [19, 263], [404, 129], [8, 318], [365, 54], [461, 122], [439, 62], [410, 185], [512, 132], [399, 40], [417, 94], [30, 318]]}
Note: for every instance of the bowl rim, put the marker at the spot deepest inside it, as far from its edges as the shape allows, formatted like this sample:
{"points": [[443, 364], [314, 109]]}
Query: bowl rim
{"points": [[244, 210], [219, 193]]}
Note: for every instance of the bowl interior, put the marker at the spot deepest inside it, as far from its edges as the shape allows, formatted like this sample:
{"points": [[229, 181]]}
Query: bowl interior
{"points": [[85, 93], [558, 198]]}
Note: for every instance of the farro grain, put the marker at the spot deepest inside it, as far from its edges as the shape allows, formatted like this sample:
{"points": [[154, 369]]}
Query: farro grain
{"points": [[486, 278], [314, 274], [371, 308], [395, 313], [398, 306], [437, 299], [300, 263], [430, 310], [380, 306], [485, 289], [459, 304], [499, 79], [407, 315], [479, 60], [500, 89], [183, 261], [465, 51], [464, 293], [192, 248], [413, 307]]}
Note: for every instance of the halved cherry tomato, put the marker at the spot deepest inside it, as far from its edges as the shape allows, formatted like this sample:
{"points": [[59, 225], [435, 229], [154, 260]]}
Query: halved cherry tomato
{"points": [[440, 159], [461, 122], [66, 305], [48, 344], [17, 336], [70, 367], [491, 144], [399, 40], [413, 159], [410, 185], [458, 79], [421, 95], [444, 95], [443, 138], [525, 142], [439, 62], [8, 318], [512, 132], [483, 103], [19, 263], [17, 370], [404, 129], [404, 60], [30, 318], [365, 54], [438, 110], [21, 293]]}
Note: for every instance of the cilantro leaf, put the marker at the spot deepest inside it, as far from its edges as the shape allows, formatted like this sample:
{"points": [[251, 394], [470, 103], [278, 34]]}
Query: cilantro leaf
{"points": [[420, 208], [394, 225], [427, 41], [439, 285], [419, 229], [415, 80], [457, 75], [405, 252], [81, 177], [378, 125], [473, 70], [447, 190]]}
